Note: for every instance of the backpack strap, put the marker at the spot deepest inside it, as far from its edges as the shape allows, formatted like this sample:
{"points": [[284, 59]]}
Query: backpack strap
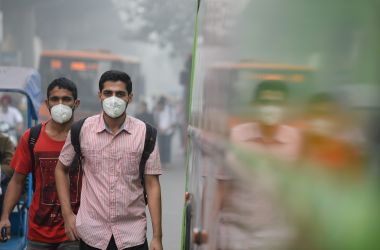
{"points": [[75, 133], [149, 144], [32, 140]]}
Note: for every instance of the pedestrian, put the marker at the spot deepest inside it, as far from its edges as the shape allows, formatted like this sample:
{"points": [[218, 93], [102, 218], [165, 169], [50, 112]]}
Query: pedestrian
{"points": [[165, 127], [6, 153], [144, 115], [331, 140], [11, 116], [45, 223], [246, 211], [112, 212]]}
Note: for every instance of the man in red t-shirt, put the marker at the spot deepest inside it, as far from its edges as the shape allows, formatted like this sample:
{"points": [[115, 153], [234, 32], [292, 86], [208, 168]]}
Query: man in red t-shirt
{"points": [[45, 223]]}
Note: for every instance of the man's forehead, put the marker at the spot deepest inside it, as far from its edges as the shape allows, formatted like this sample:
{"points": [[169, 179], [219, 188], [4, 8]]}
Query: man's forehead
{"points": [[114, 90], [60, 92], [115, 86], [272, 95]]}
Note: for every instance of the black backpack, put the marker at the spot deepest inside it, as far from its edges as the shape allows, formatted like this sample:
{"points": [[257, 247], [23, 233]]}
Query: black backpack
{"points": [[33, 137], [149, 144]]}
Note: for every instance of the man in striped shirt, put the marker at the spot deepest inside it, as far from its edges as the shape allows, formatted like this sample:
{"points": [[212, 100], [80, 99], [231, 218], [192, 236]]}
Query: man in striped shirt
{"points": [[112, 212]]}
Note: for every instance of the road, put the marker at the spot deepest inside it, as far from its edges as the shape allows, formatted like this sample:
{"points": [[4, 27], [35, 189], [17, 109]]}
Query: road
{"points": [[173, 195]]}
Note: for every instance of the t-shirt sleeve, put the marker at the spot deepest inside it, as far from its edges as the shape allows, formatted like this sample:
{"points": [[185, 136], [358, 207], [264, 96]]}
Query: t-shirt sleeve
{"points": [[21, 161], [153, 164], [67, 152]]}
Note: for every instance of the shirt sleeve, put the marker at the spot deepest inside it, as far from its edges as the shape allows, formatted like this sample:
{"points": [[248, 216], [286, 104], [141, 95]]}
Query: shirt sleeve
{"points": [[22, 161], [153, 164], [240, 132], [67, 152]]}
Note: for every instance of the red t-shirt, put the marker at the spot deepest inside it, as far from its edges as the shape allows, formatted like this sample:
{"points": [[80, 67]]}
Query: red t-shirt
{"points": [[45, 218]]}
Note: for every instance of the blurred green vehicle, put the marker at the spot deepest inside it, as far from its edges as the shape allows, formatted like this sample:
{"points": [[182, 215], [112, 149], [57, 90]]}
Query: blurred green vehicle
{"points": [[315, 47]]}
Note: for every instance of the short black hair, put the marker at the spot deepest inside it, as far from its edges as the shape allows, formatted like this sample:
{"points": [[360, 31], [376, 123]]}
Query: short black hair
{"points": [[274, 85], [114, 76], [162, 100], [143, 103], [63, 83]]}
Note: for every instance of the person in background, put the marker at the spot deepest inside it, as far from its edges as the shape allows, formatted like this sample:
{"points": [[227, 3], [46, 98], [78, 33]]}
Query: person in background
{"points": [[45, 223], [269, 134], [165, 127], [144, 115], [6, 153], [112, 212], [11, 116], [245, 210], [330, 140]]}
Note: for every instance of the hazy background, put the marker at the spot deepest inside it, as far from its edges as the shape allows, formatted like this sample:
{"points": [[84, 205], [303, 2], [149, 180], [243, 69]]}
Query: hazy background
{"points": [[159, 33]]}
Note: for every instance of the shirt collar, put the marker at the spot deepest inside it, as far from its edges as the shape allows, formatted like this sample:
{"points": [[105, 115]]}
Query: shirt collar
{"points": [[126, 126]]}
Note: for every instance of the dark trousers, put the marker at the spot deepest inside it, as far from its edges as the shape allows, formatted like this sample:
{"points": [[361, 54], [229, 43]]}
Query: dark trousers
{"points": [[112, 246], [164, 147], [4, 185]]}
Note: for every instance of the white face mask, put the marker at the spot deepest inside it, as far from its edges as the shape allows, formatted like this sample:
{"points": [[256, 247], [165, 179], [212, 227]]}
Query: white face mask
{"points": [[61, 113], [270, 114], [114, 106]]}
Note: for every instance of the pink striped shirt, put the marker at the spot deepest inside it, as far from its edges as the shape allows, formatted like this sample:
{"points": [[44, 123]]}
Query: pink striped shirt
{"points": [[112, 201]]}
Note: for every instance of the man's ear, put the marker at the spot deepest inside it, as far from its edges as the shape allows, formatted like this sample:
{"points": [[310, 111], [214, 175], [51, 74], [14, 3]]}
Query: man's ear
{"points": [[100, 95], [76, 103], [130, 98], [47, 104]]}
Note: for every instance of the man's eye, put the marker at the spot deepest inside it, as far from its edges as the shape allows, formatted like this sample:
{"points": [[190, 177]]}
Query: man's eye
{"points": [[67, 99], [54, 99]]}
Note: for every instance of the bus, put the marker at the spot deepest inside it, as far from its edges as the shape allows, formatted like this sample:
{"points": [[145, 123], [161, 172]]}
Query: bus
{"points": [[85, 68]]}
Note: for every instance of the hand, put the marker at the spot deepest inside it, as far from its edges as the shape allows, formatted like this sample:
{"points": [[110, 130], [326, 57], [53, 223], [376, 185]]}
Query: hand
{"points": [[70, 227], [7, 225], [156, 244]]}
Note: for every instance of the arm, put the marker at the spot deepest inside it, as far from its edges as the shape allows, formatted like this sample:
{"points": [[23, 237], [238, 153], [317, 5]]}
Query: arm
{"points": [[152, 185], [221, 190], [62, 182], [14, 190]]}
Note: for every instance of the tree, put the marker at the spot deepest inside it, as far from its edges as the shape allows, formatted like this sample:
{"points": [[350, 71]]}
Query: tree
{"points": [[167, 23]]}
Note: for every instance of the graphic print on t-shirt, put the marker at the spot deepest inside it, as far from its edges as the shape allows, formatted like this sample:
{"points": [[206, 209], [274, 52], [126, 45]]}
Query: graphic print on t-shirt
{"points": [[49, 212]]}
